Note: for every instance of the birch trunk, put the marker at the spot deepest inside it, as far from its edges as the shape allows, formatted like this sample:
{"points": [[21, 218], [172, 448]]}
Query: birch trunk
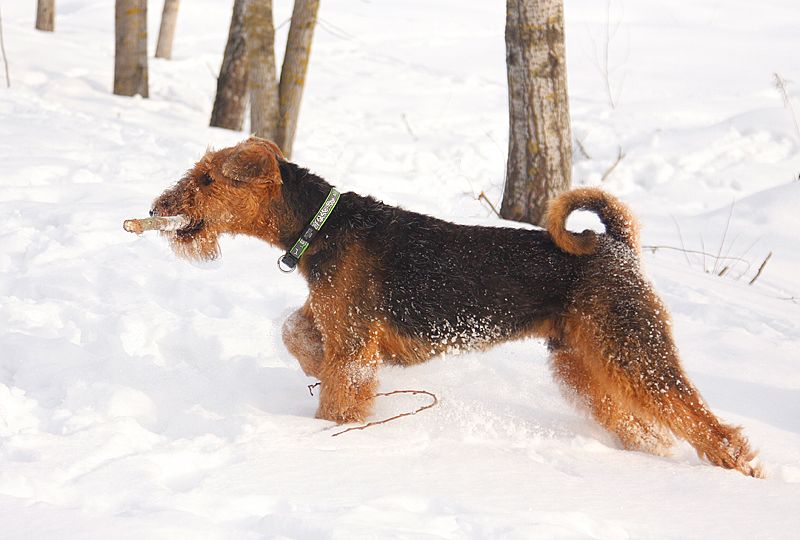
{"points": [[45, 15], [262, 83], [166, 33], [293, 72], [130, 55], [231, 98], [540, 142]]}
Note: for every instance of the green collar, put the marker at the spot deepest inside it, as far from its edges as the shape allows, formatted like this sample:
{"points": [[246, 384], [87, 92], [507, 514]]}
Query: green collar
{"points": [[292, 257]]}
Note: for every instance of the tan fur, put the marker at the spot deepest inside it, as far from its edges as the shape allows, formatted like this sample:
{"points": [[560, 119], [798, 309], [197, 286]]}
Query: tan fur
{"points": [[616, 217], [635, 387], [350, 333], [612, 342]]}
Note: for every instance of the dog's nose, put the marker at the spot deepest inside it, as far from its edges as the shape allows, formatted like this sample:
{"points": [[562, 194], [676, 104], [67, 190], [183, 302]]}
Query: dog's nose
{"points": [[152, 212]]}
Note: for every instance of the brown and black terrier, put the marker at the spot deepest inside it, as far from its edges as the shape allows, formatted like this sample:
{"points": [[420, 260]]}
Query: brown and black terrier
{"points": [[389, 285]]}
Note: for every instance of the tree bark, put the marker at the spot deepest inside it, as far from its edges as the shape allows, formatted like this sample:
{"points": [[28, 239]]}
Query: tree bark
{"points": [[231, 98], [293, 72], [166, 33], [262, 82], [540, 141], [46, 15], [130, 55]]}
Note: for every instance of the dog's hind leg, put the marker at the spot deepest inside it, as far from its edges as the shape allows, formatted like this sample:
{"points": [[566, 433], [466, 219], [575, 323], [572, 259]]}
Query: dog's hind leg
{"points": [[648, 374], [303, 340], [636, 365], [686, 414], [578, 375], [672, 401]]}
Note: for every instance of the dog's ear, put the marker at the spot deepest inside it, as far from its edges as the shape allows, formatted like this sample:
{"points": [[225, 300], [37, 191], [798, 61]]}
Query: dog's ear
{"points": [[266, 143], [255, 161]]}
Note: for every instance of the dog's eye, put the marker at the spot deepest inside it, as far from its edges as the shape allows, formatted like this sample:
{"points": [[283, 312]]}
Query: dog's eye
{"points": [[206, 180]]}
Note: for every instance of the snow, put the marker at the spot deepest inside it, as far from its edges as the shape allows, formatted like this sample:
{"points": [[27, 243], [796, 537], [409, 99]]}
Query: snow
{"points": [[141, 396]]}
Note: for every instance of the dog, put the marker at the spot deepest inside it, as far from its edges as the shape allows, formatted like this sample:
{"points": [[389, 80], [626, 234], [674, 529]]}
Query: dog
{"points": [[394, 286]]}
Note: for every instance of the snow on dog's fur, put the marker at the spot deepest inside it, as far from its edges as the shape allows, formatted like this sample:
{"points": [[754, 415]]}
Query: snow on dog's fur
{"points": [[389, 285]]}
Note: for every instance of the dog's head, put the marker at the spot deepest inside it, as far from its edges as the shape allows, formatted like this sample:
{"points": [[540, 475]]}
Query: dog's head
{"points": [[225, 192]]}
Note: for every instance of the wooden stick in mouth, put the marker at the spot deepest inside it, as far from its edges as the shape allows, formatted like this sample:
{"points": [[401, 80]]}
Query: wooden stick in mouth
{"points": [[165, 223]]}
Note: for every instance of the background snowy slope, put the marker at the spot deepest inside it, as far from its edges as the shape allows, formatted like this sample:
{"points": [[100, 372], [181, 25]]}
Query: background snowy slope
{"points": [[143, 397]]}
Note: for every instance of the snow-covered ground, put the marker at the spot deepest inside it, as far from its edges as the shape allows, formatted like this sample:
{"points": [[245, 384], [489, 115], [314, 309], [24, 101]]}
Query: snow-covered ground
{"points": [[142, 397]]}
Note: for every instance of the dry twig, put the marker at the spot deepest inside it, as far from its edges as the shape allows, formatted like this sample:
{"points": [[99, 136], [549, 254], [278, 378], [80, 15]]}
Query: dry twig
{"points": [[582, 148], [401, 415], [158, 223], [482, 196]]}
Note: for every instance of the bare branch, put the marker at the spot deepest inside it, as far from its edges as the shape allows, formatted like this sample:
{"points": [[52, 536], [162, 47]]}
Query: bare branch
{"points": [[158, 223], [377, 422], [482, 196]]}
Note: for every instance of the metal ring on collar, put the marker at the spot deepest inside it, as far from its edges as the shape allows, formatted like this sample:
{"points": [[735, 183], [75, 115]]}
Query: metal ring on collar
{"points": [[281, 268]]}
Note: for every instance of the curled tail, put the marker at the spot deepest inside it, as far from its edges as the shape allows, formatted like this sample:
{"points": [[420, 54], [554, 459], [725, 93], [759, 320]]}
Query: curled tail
{"points": [[617, 218]]}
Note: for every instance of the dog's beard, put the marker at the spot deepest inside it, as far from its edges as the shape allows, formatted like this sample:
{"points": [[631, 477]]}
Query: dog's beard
{"points": [[201, 246]]}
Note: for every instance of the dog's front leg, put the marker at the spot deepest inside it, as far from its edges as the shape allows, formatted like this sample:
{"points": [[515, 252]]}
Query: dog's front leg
{"points": [[303, 340], [348, 376]]}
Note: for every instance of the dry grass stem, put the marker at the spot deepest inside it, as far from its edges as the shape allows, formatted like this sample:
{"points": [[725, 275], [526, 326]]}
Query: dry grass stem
{"points": [[3, 50], [620, 157], [761, 268], [781, 85], [705, 254]]}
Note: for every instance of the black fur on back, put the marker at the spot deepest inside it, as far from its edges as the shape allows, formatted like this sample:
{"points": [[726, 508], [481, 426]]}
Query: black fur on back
{"points": [[441, 282]]}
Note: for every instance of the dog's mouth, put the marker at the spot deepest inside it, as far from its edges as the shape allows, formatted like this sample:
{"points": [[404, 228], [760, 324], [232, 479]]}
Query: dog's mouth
{"points": [[194, 227]]}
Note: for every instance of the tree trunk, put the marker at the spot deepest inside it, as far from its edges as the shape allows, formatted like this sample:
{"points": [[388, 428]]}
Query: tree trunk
{"points": [[293, 72], [262, 83], [166, 33], [130, 55], [540, 142], [231, 99], [46, 15]]}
